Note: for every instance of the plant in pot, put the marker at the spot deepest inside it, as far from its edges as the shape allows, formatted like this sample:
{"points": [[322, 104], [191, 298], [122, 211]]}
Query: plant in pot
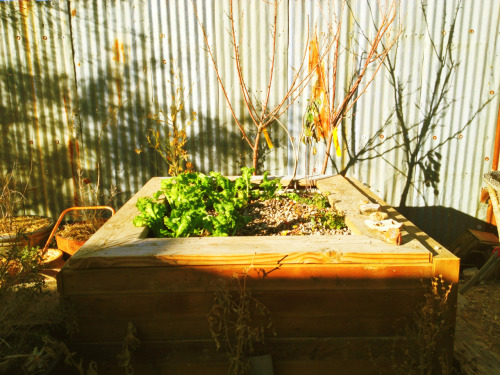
{"points": [[17, 228], [88, 219], [75, 234], [21, 235]]}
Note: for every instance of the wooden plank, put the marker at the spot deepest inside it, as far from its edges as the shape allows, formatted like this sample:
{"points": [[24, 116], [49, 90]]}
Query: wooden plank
{"points": [[281, 349], [118, 236], [248, 250], [464, 244], [485, 237], [341, 303], [295, 356], [120, 230], [294, 314], [346, 194], [196, 327], [409, 227], [291, 367], [447, 267], [303, 356], [337, 367], [445, 263], [199, 278]]}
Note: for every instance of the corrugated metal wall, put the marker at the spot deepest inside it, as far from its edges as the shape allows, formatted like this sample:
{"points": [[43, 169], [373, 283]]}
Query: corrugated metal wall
{"points": [[79, 80], [37, 101]]}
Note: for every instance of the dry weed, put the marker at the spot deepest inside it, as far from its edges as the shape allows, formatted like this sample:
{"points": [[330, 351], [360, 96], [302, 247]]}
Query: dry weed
{"points": [[238, 321], [423, 337]]}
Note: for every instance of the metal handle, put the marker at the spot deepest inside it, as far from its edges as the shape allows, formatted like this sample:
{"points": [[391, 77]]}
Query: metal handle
{"points": [[73, 209]]}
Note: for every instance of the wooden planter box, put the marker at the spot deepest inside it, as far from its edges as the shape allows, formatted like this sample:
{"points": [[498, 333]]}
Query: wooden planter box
{"points": [[338, 303]]}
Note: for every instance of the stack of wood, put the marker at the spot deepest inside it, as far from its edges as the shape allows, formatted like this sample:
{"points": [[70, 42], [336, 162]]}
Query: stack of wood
{"points": [[480, 249]]}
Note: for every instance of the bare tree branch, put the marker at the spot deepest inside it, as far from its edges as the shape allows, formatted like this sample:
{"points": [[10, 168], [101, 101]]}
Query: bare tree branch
{"points": [[260, 111], [362, 81], [209, 49]]}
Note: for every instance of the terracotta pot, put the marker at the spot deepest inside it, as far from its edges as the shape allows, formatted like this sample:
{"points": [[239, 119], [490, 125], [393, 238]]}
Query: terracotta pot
{"points": [[68, 246], [30, 239], [52, 263], [53, 258], [71, 246]]}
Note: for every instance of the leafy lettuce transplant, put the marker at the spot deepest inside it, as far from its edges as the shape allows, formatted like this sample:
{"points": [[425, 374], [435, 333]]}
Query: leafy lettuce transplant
{"points": [[194, 204]]}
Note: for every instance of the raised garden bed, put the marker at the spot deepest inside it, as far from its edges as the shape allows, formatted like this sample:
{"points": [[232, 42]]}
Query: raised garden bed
{"points": [[336, 302]]}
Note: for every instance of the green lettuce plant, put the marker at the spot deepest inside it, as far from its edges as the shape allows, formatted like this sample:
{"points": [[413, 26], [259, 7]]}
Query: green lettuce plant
{"points": [[194, 204]]}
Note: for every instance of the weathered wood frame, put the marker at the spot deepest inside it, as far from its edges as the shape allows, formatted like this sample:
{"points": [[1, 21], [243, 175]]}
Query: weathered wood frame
{"points": [[337, 301]]}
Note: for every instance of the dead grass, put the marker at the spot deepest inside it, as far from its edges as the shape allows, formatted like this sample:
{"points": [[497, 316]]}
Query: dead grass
{"points": [[81, 231], [419, 351], [27, 316], [22, 224]]}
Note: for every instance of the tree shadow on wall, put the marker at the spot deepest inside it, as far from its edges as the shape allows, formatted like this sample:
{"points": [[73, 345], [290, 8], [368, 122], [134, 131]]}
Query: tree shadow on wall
{"points": [[100, 141], [54, 141], [412, 138], [36, 138], [222, 144], [417, 135]]}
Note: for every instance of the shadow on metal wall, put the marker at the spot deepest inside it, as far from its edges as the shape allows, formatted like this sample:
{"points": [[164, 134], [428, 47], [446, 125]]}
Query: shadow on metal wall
{"points": [[455, 222]]}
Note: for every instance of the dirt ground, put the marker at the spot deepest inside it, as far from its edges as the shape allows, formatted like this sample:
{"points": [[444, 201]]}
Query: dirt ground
{"points": [[482, 311], [477, 339]]}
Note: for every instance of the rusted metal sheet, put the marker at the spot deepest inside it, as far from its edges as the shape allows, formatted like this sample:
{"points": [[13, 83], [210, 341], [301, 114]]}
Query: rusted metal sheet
{"points": [[37, 101], [80, 79]]}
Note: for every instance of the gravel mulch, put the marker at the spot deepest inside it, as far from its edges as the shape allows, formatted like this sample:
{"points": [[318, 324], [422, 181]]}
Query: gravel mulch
{"points": [[287, 217]]}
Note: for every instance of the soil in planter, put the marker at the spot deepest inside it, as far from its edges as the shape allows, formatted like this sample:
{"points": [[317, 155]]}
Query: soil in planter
{"points": [[303, 214], [24, 224]]}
